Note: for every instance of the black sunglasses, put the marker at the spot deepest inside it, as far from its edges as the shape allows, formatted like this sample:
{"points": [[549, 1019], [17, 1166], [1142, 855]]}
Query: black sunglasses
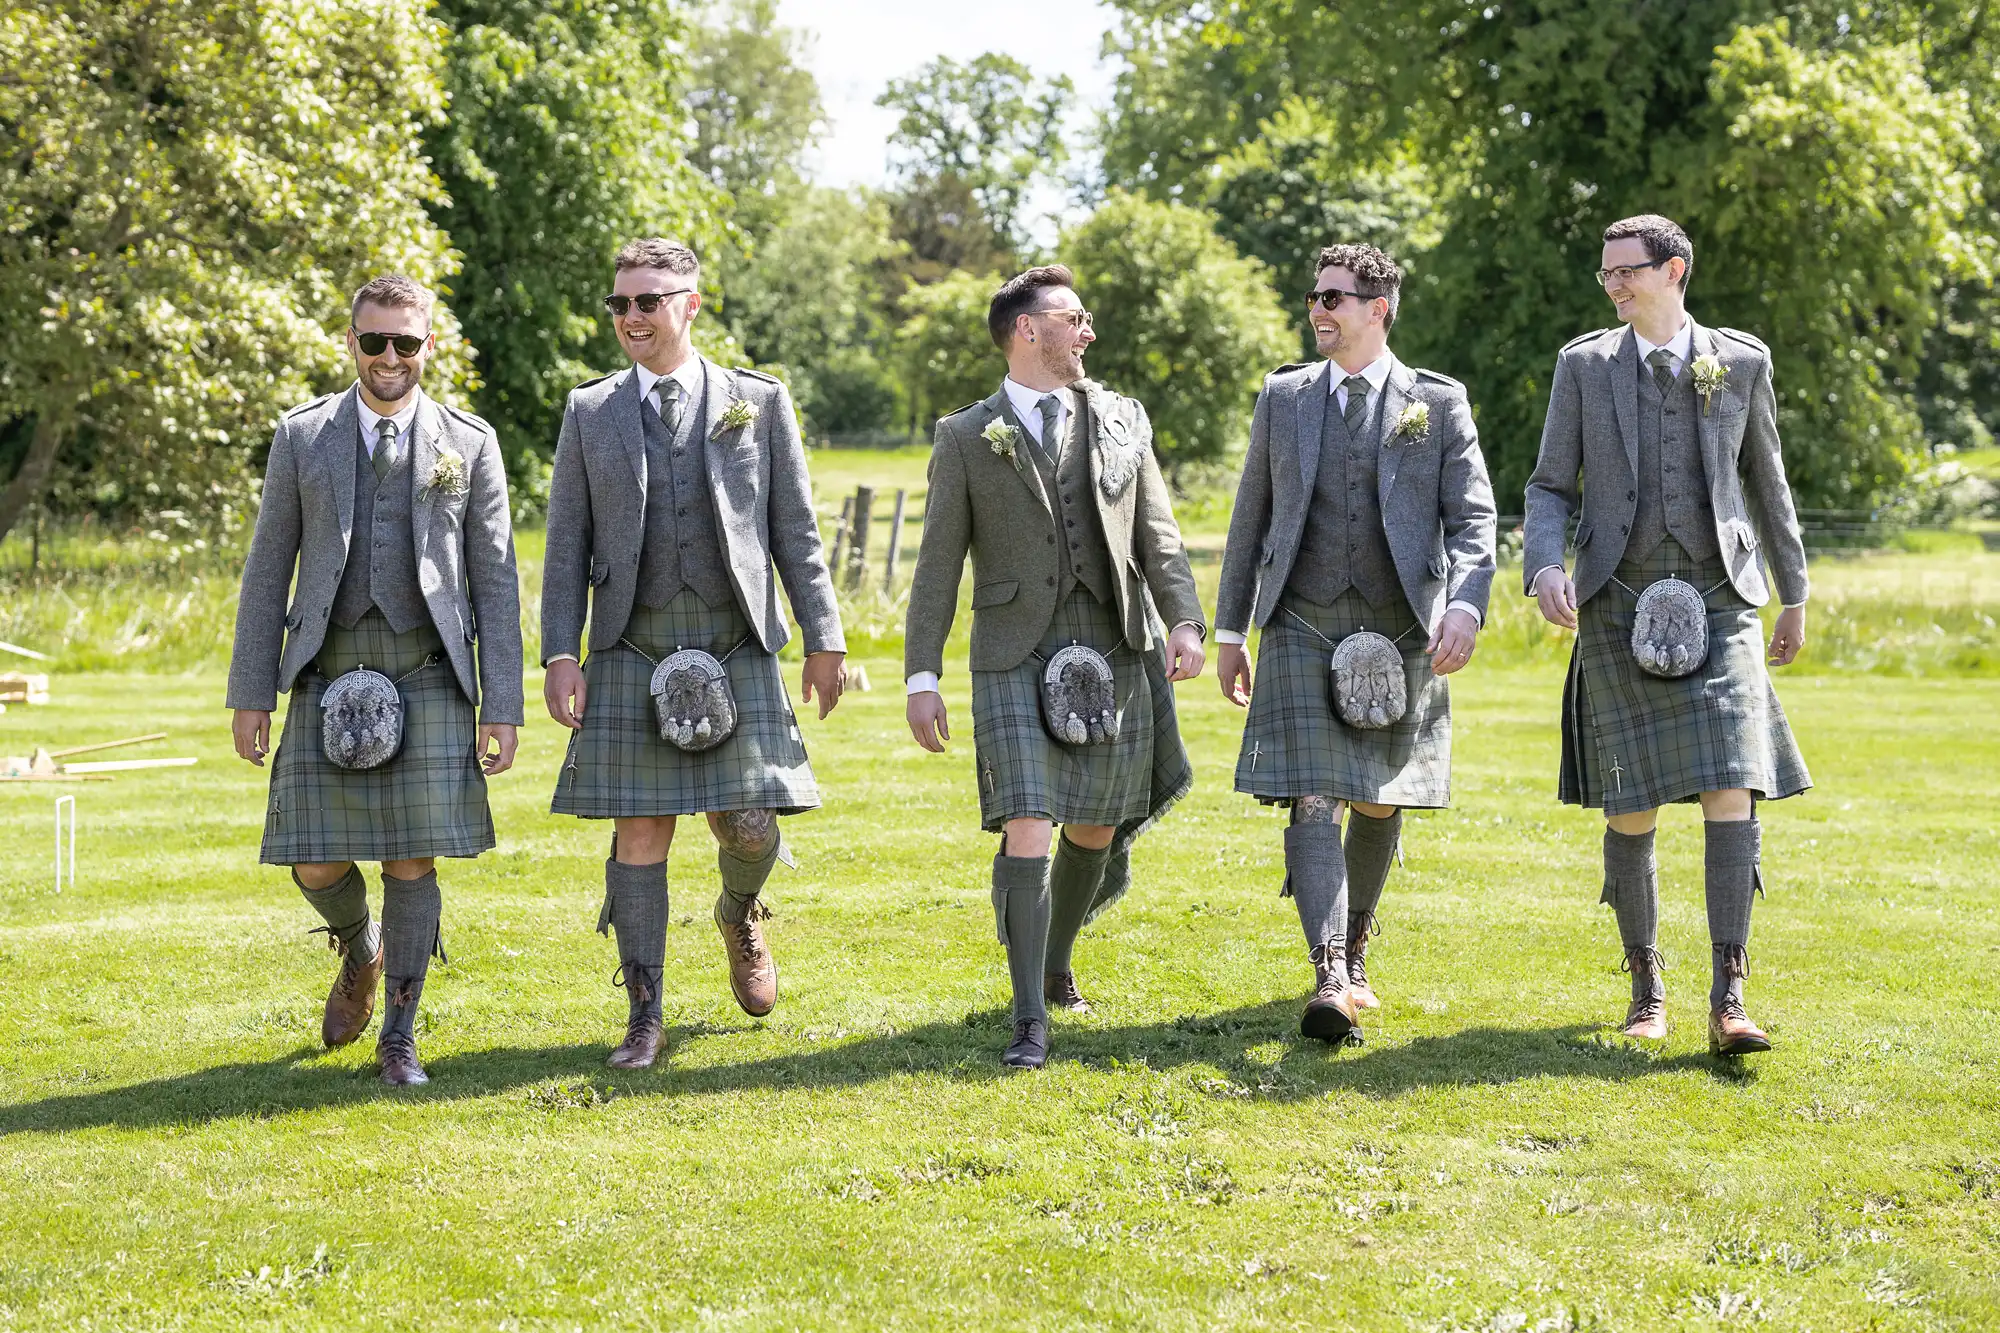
{"points": [[373, 344], [1330, 297], [647, 302]]}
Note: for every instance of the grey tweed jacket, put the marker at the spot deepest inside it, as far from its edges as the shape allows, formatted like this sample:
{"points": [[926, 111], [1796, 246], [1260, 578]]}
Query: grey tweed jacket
{"points": [[994, 507], [464, 541], [763, 514], [1590, 457], [1433, 491]]}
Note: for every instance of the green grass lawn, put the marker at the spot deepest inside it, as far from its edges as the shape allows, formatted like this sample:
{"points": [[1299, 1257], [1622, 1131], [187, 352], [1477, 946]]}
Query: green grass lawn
{"points": [[175, 1151]]}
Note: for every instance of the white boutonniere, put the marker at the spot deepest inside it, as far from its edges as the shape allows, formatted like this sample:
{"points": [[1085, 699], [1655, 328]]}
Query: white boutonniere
{"points": [[1004, 439], [1709, 375], [739, 413], [1414, 423], [447, 474]]}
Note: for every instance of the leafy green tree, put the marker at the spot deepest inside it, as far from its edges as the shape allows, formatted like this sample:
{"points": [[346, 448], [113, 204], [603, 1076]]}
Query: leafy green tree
{"points": [[947, 358], [756, 110], [565, 140], [1185, 324], [190, 194]]}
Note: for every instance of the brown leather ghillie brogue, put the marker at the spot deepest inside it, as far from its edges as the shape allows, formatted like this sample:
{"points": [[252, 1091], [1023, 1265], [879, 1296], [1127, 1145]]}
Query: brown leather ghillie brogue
{"points": [[350, 1005], [1330, 1014], [396, 1052], [753, 973], [1730, 1031], [1059, 989], [1357, 973], [641, 1046], [1646, 1017]]}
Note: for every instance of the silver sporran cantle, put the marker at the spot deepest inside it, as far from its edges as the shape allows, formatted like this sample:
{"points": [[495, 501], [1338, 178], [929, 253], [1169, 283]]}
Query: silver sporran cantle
{"points": [[1080, 697], [361, 723], [692, 700], [1369, 688], [1670, 629]]}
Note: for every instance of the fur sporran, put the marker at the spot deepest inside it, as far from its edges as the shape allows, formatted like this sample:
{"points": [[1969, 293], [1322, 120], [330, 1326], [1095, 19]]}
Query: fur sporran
{"points": [[1369, 688], [1670, 629], [1080, 697], [692, 700], [361, 723]]}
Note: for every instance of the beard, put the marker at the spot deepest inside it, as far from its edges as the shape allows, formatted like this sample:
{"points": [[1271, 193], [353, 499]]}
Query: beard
{"points": [[1063, 364], [1329, 340], [391, 386]]}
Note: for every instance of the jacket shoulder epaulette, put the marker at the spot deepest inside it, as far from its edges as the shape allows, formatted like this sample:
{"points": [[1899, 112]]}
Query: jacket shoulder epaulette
{"points": [[959, 411], [1749, 339], [1438, 376], [1584, 338], [307, 407], [750, 374], [1286, 370], [595, 379], [469, 418]]}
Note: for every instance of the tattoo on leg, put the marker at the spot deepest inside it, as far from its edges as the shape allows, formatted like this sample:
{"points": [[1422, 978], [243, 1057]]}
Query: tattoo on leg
{"points": [[749, 833], [1315, 810]]}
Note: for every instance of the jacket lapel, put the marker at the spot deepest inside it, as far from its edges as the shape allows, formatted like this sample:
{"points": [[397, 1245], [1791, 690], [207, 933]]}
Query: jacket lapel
{"points": [[1625, 394], [718, 392], [1311, 418], [1703, 344], [625, 407], [1024, 467], [1388, 451], [429, 426], [338, 437]]}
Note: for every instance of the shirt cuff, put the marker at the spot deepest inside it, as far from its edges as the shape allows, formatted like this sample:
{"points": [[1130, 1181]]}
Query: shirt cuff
{"points": [[559, 657], [1196, 625], [921, 682], [1231, 636], [1535, 582], [1791, 606], [1470, 610]]}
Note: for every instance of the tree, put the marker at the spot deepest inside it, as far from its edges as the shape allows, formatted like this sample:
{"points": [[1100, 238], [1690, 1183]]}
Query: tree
{"points": [[948, 360], [565, 140], [1185, 324], [756, 110], [191, 192]]}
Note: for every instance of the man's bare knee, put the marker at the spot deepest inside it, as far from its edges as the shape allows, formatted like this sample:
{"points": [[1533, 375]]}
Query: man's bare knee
{"points": [[1373, 811], [1730, 806], [1029, 837], [415, 867], [1634, 824], [1316, 810], [643, 840], [1090, 837], [321, 874], [745, 833]]}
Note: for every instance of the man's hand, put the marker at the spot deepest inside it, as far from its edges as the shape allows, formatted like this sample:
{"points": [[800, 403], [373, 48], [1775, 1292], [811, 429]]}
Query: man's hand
{"points": [[251, 728], [1184, 655], [927, 721], [1557, 596], [1451, 646], [503, 735], [563, 691], [824, 674], [1788, 636], [1232, 665]]}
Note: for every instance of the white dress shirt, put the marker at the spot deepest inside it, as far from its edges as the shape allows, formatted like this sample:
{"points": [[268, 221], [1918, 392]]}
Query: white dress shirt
{"points": [[1376, 372], [371, 420]]}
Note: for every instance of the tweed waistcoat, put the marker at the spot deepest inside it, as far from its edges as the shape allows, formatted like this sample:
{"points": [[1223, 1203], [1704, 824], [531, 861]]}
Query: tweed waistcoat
{"points": [[1673, 484], [682, 548], [381, 568], [1342, 545], [1082, 555]]}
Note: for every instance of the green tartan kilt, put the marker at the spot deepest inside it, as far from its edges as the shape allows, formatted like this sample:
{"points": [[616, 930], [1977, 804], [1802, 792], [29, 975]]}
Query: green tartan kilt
{"points": [[618, 766], [430, 800], [1294, 744], [1633, 741], [1025, 773]]}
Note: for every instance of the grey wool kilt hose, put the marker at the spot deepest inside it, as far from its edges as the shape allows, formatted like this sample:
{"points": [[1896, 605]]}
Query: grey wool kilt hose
{"points": [[430, 800], [1633, 741], [618, 766], [1294, 744]]}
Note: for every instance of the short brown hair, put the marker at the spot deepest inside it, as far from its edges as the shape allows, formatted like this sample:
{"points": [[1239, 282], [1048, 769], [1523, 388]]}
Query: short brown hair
{"points": [[1018, 296], [1375, 274], [656, 252], [1662, 237], [393, 291]]}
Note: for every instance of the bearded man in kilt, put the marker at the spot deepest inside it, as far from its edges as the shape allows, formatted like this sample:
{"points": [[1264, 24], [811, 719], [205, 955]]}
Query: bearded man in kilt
{"points": [[679, 488], [1052, 487], [393, 510], [1665, 434], [1364, 509]]}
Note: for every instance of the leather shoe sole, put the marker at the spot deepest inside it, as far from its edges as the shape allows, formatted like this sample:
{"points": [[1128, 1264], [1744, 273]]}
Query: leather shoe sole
{"points": [[1325, 1020]]}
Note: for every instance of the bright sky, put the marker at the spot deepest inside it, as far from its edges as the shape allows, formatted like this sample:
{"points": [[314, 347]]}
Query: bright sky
{"points": [[859, 45]]}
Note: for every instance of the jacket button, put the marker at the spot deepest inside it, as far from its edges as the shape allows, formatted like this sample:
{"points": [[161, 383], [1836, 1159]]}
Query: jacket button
{"points": [[1052, 580], [1631, 495], [1052, 539], [1624, 531]]}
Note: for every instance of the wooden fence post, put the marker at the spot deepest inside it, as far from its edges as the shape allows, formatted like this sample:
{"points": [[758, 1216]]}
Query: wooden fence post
{"points": [[857, 544], [840, 535], [895, 542]]}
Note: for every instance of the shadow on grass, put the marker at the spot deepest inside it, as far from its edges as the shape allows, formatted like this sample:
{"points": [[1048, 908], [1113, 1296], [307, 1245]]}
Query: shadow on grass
{"points": [[967, 1050]]}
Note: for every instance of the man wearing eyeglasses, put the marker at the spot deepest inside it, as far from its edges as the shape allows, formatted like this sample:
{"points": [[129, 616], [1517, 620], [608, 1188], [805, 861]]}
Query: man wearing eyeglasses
{"points": [[1663, 433], [393, 509], [1364, 509], [680, 497], [1051, 486]]}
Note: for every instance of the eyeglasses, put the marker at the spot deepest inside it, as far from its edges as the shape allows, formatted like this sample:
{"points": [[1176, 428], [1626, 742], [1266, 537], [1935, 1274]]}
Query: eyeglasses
{"points": [[1076, 319], [1625, 272], [647, 302], [373, 344], [1329, 297]]}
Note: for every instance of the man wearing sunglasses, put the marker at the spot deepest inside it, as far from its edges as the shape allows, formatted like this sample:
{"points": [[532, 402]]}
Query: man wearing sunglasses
{"points": [[680, 498], [393, 509], [1364, 508], [1664, 434], [1051, 486]]}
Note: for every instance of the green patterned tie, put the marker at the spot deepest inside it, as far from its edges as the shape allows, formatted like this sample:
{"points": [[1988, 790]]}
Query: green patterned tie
{"points": [[667, 395], [385, 449], [1662, 362], [1051, 410], [1357, 403]]}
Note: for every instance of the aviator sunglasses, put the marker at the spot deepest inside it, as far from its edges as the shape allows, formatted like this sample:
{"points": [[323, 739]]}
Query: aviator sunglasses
{"points": [[372, 344], [647, 302]]}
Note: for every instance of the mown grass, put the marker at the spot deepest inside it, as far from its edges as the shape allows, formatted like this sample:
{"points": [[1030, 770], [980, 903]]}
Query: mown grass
{"points": [[175, 1152]]}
